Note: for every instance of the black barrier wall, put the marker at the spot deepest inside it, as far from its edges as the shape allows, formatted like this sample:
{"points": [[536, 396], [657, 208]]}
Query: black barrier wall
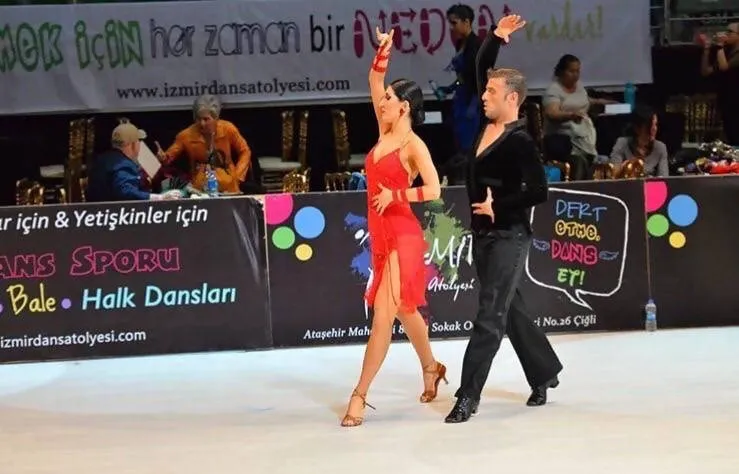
{"points": [[693, 229], [586, 268], [587, 263], [84, 281], [320, 267], [132, 278]]}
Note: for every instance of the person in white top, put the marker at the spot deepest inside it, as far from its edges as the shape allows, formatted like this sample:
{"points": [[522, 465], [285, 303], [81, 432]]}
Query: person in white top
{"points": [[566, 104]]}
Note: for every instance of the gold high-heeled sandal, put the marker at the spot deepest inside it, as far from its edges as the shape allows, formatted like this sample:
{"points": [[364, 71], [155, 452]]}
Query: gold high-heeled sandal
{"points": [[440, 370], [351, 421]]}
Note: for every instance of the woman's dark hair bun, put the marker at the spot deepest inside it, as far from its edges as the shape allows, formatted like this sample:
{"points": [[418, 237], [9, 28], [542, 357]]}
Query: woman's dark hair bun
{"points": [[418, 116], [406, 90]]}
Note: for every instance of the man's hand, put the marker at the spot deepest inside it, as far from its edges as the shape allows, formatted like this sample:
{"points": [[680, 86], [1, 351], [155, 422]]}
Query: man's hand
{"points": [[704, 40], [508, 25], [485, 208]]}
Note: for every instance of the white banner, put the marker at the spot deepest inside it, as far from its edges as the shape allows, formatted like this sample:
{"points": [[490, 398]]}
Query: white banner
{"points": [[146, 56]]}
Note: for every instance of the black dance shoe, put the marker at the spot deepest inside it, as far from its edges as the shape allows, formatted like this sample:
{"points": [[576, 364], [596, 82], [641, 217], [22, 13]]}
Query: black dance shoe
{"points": [[463, 410], [539, 394]]}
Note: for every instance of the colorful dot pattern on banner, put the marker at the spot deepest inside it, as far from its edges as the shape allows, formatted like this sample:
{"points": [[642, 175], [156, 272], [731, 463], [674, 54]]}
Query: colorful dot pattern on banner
{"points": [[308, 223], [303, 252], [682, 211]]}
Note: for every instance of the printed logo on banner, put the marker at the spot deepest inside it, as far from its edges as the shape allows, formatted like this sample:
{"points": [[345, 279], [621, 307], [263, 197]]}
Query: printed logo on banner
{"points": [[450, 244], [429, 37], [682, 211], [579, 246], [308, 223]]}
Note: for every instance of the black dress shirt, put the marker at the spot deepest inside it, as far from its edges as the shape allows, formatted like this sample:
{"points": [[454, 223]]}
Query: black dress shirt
{"points": [[511, 166]]}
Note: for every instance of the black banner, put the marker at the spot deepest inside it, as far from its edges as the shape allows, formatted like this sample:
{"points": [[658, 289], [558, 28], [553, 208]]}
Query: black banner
{"points": [[693, 233], [320, 266], [84, 281], [132, 278], [586, 268], [587, 263]]}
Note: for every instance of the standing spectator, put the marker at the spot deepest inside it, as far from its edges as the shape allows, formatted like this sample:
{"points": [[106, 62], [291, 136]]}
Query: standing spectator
{"points": [[465, 104], [566, 105], [725, 66]]}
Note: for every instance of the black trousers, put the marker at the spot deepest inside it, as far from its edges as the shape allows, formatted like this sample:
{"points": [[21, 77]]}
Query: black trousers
{"points": [[500, 257]]}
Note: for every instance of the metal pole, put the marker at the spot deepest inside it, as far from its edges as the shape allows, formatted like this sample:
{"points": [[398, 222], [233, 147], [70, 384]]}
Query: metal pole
{"points": [[667, 25]]}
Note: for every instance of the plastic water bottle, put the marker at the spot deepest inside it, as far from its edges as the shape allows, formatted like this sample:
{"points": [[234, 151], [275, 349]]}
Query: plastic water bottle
{"points": [[211, 184], [438, 91], [650, 323], [630, 95]]}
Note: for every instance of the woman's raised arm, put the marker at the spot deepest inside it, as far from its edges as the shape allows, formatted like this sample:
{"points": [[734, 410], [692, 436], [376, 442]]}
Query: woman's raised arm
{"points": [[378, 70]]}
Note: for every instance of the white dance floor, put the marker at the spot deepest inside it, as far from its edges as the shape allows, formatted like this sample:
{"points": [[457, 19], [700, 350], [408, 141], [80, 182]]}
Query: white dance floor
{"points": [[635, 403]]}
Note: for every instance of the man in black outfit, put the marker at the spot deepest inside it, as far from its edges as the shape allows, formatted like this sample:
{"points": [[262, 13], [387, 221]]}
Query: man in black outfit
{"points": [[725, 66], [505, 179]]}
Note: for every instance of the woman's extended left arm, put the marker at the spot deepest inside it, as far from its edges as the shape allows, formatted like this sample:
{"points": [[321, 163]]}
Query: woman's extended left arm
{"points": [[431, 188]]}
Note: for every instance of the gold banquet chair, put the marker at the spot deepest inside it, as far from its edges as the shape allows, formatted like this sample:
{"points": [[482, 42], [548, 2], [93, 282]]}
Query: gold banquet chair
{"points": [[83, 189], [275, 168], [603, 171], [633, 168], [81, 144], [702, 118], [564, 168], [28, 193], [60, 195], [296, 182], [534, 122], [345, 159], [337, 181]]}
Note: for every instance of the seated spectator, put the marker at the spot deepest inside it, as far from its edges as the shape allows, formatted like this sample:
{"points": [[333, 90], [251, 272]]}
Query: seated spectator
{"points": [[211, 140], [116, 175], [640, 143]]}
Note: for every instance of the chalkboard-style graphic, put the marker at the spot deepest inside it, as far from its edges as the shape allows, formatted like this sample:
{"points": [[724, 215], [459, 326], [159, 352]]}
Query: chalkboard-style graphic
{"points": [[682, 211], [579, 244]]}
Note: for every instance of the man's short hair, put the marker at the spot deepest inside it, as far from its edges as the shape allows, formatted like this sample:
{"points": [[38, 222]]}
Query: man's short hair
{"points": [[514, 80], [461, 11], [125, 134]]}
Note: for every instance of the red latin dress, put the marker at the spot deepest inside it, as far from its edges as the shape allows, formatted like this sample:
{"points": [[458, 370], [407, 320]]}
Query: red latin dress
{"points": [[397, 229]]}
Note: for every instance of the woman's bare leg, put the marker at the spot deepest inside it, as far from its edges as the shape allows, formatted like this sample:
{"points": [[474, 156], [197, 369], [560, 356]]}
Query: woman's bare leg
{"points": [[418, 333], [379, 341]]}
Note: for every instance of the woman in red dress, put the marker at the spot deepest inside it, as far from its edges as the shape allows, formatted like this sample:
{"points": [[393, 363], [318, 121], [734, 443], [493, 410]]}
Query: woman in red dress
{"points": [[397, 245]]}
